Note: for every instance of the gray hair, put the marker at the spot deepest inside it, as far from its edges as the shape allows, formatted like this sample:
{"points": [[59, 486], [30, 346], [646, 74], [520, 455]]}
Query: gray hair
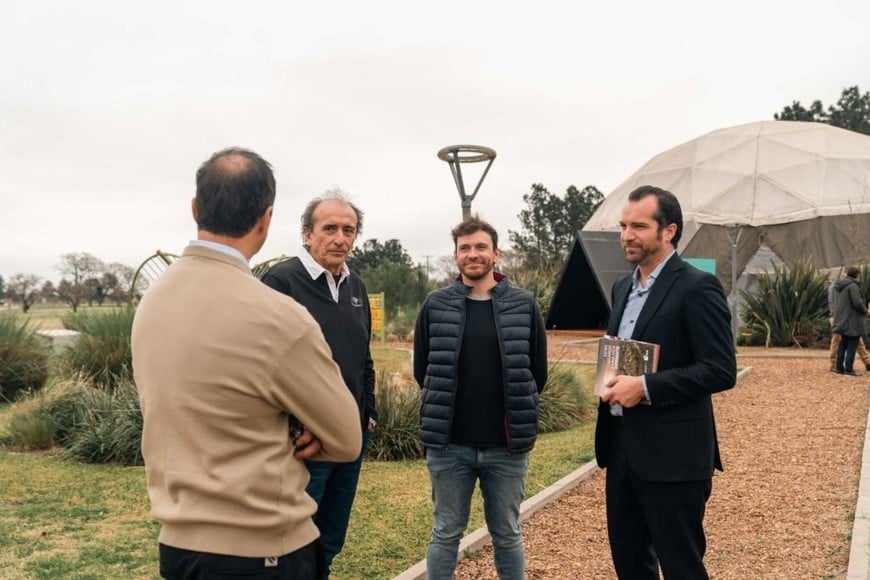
{"points": [[333, 194]]}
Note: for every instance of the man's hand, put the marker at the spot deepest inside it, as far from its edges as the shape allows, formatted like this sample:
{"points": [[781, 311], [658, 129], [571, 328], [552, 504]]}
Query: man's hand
{"points": [[306, 444], [624, 390]]}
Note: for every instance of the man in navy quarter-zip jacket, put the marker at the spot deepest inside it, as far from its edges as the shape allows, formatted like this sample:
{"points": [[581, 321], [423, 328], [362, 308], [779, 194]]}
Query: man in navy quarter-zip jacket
{"points": [[480, 357], [319, 279]]}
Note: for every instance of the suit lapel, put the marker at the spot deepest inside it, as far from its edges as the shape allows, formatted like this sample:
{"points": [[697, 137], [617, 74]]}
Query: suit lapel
{"points": [[666, 279]]}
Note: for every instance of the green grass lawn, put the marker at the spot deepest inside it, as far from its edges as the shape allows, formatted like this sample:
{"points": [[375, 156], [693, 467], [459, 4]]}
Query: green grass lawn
{"points": [[63, 519]]}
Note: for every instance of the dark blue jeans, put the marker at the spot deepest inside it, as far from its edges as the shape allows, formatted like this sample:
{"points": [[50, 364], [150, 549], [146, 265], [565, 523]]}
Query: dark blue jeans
{"points": [[333, 487], [846, 354]]}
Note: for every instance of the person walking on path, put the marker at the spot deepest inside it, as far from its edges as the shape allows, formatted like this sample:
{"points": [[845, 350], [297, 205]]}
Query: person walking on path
{"points": [[849, 315], [860, 351], [319, 279], [480, 358], [656, 434], [225, 367]]}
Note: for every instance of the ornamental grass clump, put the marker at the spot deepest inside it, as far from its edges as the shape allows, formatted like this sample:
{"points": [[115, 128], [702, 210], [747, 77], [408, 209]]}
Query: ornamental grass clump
{"points": [[396, 435], [102, 352], [88, 424], [23, 358], [108, 426], [565, 402], [45, 418]]}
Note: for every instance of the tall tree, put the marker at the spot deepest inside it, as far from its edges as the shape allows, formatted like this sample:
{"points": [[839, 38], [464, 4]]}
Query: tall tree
{"points": [[387, 267], [404, 287], [851, 112], [373, 253], [100, 287], [24, 288], [2, 289], [48, 292], [550, 223], [77, 268], [123, 275]]}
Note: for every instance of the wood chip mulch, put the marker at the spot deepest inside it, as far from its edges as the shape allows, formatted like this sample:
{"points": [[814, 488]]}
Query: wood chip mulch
{"points": [[791, 435]]}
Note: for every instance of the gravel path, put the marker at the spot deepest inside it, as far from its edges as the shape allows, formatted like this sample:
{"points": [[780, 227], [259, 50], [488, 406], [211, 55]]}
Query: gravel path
{"points": [[791, 436]]}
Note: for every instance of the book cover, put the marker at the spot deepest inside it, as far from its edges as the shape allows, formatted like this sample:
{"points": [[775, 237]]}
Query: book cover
{"points": [[623, 356]]}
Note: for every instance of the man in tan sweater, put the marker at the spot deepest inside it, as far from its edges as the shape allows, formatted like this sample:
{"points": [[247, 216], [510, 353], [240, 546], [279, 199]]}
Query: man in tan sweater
{"points": [[222, 363]]}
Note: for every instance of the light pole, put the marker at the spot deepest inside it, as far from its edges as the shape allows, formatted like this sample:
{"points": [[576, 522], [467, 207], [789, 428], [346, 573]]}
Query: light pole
{"points": [[455, 156], [734, 232]]}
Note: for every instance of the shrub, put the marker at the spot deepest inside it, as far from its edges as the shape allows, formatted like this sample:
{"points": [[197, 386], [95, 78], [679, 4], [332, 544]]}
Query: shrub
{"points": [[23, 357], [396, 436], [102, 353], [46, 418], [89, 424], [108, 426], [402, 323], [789, 308], [565, 401], [541, 282]]}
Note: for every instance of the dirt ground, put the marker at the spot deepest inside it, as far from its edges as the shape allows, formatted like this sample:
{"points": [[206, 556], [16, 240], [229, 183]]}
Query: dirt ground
{"points": [[791, 436]]}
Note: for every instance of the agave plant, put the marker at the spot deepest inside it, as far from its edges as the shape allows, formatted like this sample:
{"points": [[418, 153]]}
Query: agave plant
{"points": [[789, 308]]}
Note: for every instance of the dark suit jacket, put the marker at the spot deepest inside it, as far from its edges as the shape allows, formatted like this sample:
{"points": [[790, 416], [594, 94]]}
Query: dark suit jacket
{"points": [[674, 438]]}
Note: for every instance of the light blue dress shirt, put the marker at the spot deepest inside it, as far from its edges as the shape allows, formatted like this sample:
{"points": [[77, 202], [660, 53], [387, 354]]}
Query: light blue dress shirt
{"points": [[636, 300]]}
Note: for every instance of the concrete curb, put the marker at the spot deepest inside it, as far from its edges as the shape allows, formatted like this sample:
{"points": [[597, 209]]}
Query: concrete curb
{"points": [[859, 551], [479, 538]]}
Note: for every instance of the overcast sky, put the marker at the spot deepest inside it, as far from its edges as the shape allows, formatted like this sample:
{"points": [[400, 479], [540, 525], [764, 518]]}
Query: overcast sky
{"points": [[107, 108]]}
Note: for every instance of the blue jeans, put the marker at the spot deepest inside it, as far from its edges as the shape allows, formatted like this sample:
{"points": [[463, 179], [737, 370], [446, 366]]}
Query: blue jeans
{"points": [[502, 477], [333, 487], [846, 354]]}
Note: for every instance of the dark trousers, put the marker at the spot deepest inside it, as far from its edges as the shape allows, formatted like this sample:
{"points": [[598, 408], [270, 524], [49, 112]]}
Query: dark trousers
{"points": [[306, 563], [333, 487], [652, 524], [846, 354]]}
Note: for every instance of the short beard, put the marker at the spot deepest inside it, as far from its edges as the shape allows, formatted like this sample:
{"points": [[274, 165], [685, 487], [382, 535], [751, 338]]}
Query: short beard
{"points": [[475, 277]]}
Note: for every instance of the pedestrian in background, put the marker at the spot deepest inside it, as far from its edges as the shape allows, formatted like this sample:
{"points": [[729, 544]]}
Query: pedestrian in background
{"points": [[836, 337], [849, 315]]}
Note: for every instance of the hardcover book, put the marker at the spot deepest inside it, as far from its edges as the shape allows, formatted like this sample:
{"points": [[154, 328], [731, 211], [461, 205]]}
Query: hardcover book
{"points": [[623, 356]]}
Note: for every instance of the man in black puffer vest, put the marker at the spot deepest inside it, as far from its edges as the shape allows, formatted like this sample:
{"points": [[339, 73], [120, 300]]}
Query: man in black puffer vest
{"points": [[480, 357]]}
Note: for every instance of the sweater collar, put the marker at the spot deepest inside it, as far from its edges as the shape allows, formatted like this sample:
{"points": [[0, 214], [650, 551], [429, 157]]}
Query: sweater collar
{"points": [[223, 248]]}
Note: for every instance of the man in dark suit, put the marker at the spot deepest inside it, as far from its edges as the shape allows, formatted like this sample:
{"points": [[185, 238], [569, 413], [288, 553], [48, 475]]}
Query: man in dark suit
{"points": [[655, 433]]}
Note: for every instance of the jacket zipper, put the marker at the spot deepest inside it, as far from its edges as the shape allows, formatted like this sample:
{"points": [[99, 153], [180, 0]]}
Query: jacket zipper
{"points": [[504, 375]]}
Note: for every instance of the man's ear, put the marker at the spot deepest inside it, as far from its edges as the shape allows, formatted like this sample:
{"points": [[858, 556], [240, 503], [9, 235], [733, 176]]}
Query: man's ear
{"points": [[266, 219], [193, 209]]}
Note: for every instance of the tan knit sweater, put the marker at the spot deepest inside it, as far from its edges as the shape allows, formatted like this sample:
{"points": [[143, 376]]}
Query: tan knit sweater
{"points": [[220, 360]]}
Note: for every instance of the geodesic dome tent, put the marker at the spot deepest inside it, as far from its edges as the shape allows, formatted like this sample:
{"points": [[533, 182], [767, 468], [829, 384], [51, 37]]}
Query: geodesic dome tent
{"points": [[778, 190], [799, 189]]}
